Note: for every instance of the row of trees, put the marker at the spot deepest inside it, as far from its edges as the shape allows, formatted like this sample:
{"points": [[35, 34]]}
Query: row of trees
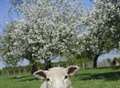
{"points": [[61, 28]]}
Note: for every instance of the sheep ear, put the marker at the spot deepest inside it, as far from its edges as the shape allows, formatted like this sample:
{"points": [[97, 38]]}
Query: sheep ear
{"points": [[41, 74], [71, 70]]}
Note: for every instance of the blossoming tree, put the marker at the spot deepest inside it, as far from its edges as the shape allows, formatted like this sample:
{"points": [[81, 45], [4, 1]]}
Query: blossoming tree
{"points": [[104, 23], [48, 28]]}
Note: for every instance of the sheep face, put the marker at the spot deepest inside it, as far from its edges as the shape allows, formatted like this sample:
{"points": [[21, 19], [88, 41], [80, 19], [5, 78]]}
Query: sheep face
{"points": [[57, 77]]}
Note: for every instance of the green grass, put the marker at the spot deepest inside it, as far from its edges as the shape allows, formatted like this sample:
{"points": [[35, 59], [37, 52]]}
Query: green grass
{"points": [[90, 78]]}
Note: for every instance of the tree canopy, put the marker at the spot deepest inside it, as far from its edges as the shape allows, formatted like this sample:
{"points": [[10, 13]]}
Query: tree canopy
{"points": [[103, 23], [48, 28], [58, 27]]}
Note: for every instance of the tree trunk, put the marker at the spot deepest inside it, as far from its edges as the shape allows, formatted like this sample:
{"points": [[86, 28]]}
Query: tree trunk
{"points": [[28, 56], [47, 64], [32, 62], [34, 68], [95, 61]]}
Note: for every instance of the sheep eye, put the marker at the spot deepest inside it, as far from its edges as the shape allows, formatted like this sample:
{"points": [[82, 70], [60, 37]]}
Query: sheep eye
{"points": [[48, 79], [66, 77]]}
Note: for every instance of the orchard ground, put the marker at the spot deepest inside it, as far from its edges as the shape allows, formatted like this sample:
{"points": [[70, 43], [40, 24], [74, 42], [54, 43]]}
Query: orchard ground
{"points": [[89, 78]]}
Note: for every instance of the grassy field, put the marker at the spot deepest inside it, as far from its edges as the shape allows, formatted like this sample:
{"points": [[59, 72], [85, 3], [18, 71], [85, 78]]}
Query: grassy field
{"points": [[90, 78]]}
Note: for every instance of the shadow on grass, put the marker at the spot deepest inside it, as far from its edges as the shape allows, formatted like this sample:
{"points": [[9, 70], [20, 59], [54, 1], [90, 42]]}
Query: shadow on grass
{"points": [[109, 76]]}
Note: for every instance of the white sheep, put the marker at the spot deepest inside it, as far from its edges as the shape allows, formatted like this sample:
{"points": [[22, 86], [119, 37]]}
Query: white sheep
{"points": [[56, 77]]}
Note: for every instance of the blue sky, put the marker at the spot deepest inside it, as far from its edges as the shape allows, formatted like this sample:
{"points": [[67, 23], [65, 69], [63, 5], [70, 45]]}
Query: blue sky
{"points": [[6, 17], [3, 13]]}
